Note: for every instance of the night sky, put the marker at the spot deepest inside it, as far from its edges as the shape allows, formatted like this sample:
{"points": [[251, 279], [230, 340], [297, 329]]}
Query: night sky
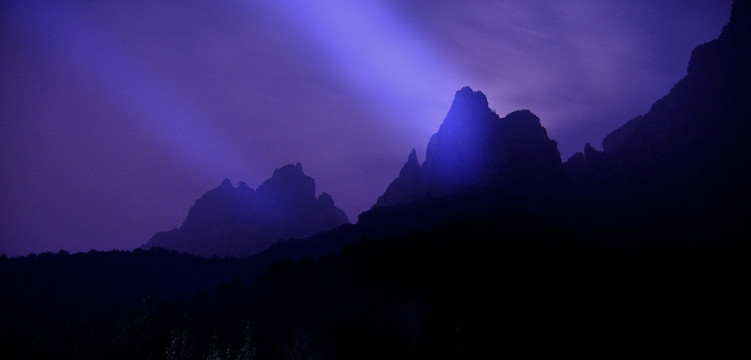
{"points": [[115, 116]]}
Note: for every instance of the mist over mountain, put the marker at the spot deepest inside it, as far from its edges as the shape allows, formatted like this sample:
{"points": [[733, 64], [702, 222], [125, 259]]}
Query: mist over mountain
{"points": [[229, 221], [476, 148], [674, 171], [491, 246], [680, 170]]}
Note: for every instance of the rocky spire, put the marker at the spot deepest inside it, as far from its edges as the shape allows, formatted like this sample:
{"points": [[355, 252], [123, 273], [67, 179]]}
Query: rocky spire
{"points": [[407, 187], [473, 148]]}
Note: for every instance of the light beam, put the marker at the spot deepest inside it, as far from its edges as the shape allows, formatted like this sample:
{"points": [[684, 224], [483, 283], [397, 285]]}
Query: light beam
{"points": [[94, 55]]}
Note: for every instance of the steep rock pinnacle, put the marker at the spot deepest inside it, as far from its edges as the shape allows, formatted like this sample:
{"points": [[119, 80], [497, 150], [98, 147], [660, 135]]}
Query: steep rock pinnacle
{"points": [[476, 148]]}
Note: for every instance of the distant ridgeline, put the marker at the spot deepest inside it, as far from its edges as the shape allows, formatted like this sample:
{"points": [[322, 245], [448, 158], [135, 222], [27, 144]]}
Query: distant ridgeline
{"points": [[229, 221], [680, 171]]}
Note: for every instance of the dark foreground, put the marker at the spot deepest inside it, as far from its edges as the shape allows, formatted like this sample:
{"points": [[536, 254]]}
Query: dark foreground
{"points": [[463, 291]]}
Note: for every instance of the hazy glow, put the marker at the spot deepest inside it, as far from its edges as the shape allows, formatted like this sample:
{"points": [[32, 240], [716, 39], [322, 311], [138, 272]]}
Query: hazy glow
{"points": [[372, 50], [95, 56], [116, 115]]}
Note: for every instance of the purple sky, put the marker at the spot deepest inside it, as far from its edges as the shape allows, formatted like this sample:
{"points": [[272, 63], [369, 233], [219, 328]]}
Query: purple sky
{"points": [[115, 116]]}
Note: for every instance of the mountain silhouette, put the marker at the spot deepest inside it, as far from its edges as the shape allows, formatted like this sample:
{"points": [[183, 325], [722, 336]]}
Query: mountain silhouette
{"points": [[476, 148], [678, 172], [229, 221], [683, 166], [491, 246]]}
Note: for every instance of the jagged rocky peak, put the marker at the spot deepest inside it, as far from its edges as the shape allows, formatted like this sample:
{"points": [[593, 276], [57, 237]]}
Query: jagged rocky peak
{"points": [[407, 187], [293, 174], [412, 166], [458, 152], [480, 149], [412, 158], [229, 221], [468, 116], [467, 105], [290, 181], [474, 147]]}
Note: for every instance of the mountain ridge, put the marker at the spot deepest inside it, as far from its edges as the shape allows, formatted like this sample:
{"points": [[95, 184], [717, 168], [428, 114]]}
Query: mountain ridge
{"points": [[229, 221], [475, 148], [653, 175], [684, 162], [680, 169]]}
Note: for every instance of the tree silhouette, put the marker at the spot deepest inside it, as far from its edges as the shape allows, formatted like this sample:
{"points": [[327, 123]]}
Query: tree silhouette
{"points": [[213, 353], [181, 346], [248, 349]]}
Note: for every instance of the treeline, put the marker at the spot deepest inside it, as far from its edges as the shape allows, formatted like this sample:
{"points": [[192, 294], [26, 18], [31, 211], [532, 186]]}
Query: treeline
{"points": [[461, 291]]}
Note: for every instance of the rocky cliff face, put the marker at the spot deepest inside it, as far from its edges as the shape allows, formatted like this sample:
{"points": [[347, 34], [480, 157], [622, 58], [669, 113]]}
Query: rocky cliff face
{"points": [[229, 221], [476, 148]]}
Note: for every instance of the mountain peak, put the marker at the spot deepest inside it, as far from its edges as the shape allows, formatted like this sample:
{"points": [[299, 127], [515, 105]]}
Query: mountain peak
{"points": [[289, 182], [467, 104], [241, 222], [407, 187], [226, 184], [466, 93], [473, 148], [412, 167], [412, 159], [288, 171]]}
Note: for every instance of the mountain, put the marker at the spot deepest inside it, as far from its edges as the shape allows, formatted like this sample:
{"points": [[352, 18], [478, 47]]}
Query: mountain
{"points": [[476, 148], [491, 246], [679, 168], [229, 221], [683, 165], [680, 172]]}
